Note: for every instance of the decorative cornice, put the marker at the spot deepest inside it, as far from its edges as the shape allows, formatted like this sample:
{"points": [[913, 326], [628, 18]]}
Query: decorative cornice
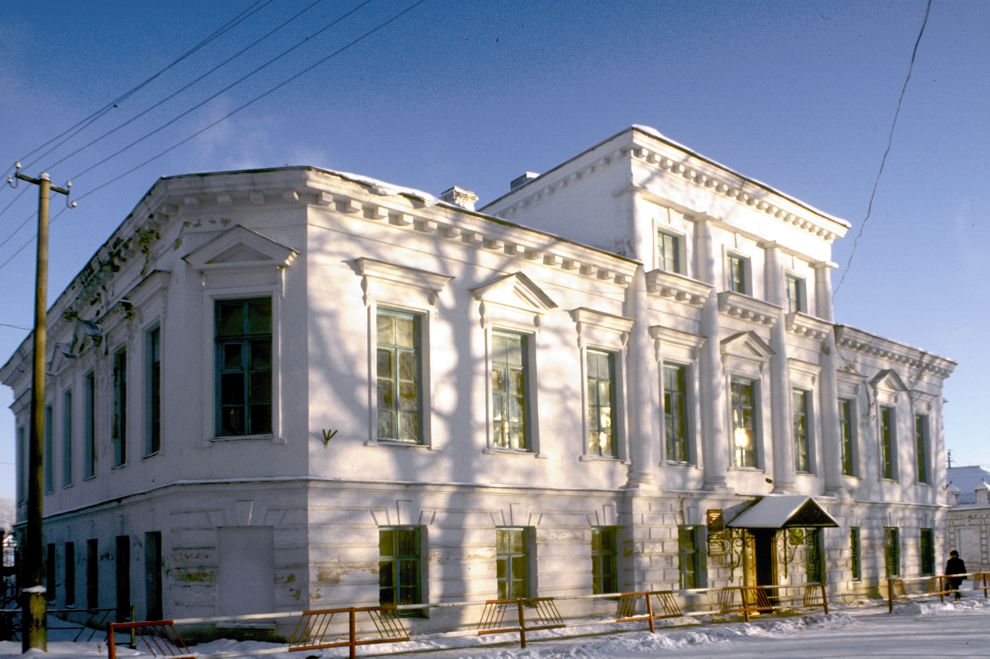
{"points": [[892, 351], [677, 287], [804, 325], [744, 307]]}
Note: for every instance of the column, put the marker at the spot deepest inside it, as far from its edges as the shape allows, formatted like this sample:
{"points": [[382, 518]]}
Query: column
{"points": [[713, 403], [829, 403], [823, 290], [642, 402], [780, 381]]}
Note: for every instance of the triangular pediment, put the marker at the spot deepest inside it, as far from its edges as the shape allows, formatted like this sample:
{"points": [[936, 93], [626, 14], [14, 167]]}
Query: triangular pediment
{"points": [[516, 291], [238, 246], [747, 345], [888, 379]]}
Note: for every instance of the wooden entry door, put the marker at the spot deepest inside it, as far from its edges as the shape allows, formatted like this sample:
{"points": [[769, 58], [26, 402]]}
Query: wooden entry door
{"points": [[764, 542]]}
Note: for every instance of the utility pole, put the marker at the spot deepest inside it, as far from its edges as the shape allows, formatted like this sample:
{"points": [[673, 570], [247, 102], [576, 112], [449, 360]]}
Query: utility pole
{"points": [[34, 598]]}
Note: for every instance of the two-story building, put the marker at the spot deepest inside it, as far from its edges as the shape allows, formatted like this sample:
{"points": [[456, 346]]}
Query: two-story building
{"points": [[289, 388]]}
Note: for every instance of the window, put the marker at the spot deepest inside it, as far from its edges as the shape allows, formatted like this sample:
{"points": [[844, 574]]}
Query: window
{"points": [[243, 367], [153, 575], [738, 275], [601, 403], [509, 391], [92, 574], [21, 461], [669, 252], [119, 429], [887, 443], [512, 562], [814, 556], [123, 577], [399, 377], [891, 552], [70, 574], [89, 452], [921, 446], [690, 557], [802, 443], [847, 436], [855, 553], [675, 412], [399, 566], [49, 457], [926, 549], [796, 296], [50, 572], [67, 438], [604, 556], [743, 422], [152, 391]]}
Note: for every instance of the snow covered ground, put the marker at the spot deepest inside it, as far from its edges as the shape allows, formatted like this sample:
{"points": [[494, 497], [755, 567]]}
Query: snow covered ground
{"points": [[959, 629]]}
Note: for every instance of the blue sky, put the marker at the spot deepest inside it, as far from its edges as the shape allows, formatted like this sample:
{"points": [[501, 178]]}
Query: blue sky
{"points": [[799, 95]]}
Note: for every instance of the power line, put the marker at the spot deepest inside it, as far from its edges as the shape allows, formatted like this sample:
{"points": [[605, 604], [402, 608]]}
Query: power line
{"points": [[84, 123], [30, 240], [886, 152], [184, 87], [18, 228], [220, 92], [270, 91], [17, 327], [13, 201], [257, 98]]}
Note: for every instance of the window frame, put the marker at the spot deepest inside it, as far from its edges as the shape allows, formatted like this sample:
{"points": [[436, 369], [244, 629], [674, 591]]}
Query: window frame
{"points": [[755, 415], [118, 406], [891, 551], [740, 281], [69, 549], [847, 436], [21, 451], [686, 453], [814, 559], [396, 561], [605, 560], [528, 558], [795, 293], [67, 438], [244, 340], [89, 425], [801, 430], [887, 437], [856, 553], [48, 457], [419, 321], [693, 556], [677, 255], [926, 551], [528, 398], [612, 379], [922, 444], [153, 390]]}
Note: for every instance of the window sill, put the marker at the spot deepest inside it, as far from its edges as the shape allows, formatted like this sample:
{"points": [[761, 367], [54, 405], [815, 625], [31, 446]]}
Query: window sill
{"points": [[222, 439], [678, 463], [397, 443], [491, 450], [90, 477], [151, 455], [118, 467], [67, 486], [590, 457]]}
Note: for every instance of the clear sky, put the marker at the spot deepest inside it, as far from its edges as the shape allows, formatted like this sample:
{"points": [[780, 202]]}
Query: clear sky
{"points": [[473, 93]]}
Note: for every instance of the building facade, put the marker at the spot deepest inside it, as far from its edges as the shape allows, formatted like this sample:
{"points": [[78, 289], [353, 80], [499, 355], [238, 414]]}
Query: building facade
{"points": [[289, 388], [969, 515]]}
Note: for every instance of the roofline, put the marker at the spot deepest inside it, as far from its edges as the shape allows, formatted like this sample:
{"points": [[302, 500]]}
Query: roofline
{"points": [[656, 135]]}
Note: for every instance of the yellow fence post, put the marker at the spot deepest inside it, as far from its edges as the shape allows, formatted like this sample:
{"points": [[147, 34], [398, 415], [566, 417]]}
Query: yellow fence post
{"points": [[522, 623], [649, 612]]}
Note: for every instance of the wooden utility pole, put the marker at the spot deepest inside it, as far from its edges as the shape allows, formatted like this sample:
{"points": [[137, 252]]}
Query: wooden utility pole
{"points": [[34, 598]]}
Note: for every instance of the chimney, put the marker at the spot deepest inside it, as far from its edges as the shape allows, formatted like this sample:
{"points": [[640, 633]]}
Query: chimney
{"points": [[522, 180], [458, 196], [982, 496]]}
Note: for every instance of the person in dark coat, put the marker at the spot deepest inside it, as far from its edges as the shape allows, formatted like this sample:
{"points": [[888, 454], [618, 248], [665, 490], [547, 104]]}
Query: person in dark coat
{"points": [[955, 566]]}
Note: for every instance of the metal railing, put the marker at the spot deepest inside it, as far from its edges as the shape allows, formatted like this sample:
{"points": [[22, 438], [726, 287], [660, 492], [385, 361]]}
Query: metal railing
{"points": [[940, 585], [628, 609], [157, 637], [544, 609], [750, 600], [316, 631]]}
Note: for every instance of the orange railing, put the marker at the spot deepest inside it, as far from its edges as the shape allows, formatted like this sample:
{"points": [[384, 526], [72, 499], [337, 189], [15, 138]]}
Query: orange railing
{"points": [[315, 629], [938, 585], [628, 609], [542, 608], [158, 637]]}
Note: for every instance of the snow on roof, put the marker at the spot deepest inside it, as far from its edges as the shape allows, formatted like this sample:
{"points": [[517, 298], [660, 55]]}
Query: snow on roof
{"points": [[653, 132], [780, 511], [969, 479], [386, 189]]}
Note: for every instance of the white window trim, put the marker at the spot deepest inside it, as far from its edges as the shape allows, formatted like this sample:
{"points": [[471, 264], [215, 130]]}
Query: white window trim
{"points": [[681, 248], [680, 349], [604, 332], [750, 364], [804, 376], [747, 272], [803, 286], [409, 290], [209, 342]]}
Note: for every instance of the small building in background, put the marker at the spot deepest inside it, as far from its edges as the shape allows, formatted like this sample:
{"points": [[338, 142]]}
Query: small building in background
{"points": [[969, 515]]}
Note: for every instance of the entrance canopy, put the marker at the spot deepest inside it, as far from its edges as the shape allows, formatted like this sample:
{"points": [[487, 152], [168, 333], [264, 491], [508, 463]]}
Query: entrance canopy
{"points": [[783, 512]]}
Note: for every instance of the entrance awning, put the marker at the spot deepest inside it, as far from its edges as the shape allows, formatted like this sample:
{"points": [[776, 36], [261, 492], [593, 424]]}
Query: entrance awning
{"points": [[783, 512]]}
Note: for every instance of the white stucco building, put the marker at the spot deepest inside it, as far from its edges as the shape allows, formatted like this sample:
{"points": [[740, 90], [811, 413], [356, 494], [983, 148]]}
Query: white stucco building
{"points": [[289, 388]]}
